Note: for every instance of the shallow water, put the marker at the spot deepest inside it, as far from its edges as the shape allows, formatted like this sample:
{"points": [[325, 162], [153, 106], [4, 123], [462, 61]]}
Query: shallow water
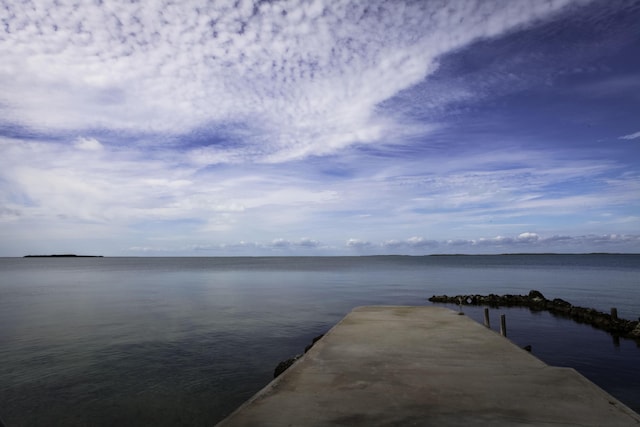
{"points": [[165, 341]]}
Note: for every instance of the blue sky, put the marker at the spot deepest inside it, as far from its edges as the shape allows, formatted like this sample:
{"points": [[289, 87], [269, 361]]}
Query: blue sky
{"points": [[319, 127]]}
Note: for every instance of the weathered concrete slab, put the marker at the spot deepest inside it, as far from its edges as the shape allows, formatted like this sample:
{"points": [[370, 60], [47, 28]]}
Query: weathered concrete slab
{"points": [[425, 366]]}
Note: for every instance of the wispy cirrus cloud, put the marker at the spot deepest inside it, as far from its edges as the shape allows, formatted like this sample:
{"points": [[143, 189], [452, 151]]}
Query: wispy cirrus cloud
{"points": [[634, 135]]}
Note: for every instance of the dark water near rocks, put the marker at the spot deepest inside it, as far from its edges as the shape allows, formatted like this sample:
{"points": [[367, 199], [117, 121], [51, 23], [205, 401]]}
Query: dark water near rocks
{"points": [[184, 341]]}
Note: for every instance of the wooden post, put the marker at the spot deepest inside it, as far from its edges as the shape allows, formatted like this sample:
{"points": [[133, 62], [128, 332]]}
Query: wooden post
{"points": [[503, 325], [486, 318], [614, 313]]}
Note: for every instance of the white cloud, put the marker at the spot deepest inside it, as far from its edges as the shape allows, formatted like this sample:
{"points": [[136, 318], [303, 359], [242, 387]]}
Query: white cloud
{"points": [[528, 237], [160, 195], [308, 243], [303, 78], [358, 244], [275, 246], [148, 249], [89, 144], [280, 243], [414, 242], [522, 243], [634, 135], [156, 196], [304, 243]]}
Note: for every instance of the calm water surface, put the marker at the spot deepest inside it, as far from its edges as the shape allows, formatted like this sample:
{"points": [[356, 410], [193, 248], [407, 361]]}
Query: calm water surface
{"points": [[184, 341]]}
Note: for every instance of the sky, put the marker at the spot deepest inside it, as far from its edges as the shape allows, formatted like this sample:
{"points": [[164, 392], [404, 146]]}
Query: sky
{"points": [[320, 127]]}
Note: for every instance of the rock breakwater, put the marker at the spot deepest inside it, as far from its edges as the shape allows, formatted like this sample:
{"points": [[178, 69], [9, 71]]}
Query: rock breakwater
{"points": [[536, 301]]}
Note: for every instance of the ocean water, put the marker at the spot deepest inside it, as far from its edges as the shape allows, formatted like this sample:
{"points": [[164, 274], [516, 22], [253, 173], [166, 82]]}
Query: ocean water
{"points": [[184, 341]]}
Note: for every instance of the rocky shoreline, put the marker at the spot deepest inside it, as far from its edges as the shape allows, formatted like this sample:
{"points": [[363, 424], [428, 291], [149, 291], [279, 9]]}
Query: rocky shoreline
{"points": [[535, 301]]}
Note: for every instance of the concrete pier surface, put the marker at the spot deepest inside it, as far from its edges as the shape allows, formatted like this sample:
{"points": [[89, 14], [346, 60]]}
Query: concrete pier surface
{"points": [[425, 366]]}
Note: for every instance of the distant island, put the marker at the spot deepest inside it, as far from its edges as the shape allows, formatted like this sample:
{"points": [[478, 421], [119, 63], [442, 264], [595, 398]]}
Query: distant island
{"points": [[63, 256]]}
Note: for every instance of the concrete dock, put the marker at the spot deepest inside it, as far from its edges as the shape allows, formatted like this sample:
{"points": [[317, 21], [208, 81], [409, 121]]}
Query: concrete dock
{"points": [[425, 366]]}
